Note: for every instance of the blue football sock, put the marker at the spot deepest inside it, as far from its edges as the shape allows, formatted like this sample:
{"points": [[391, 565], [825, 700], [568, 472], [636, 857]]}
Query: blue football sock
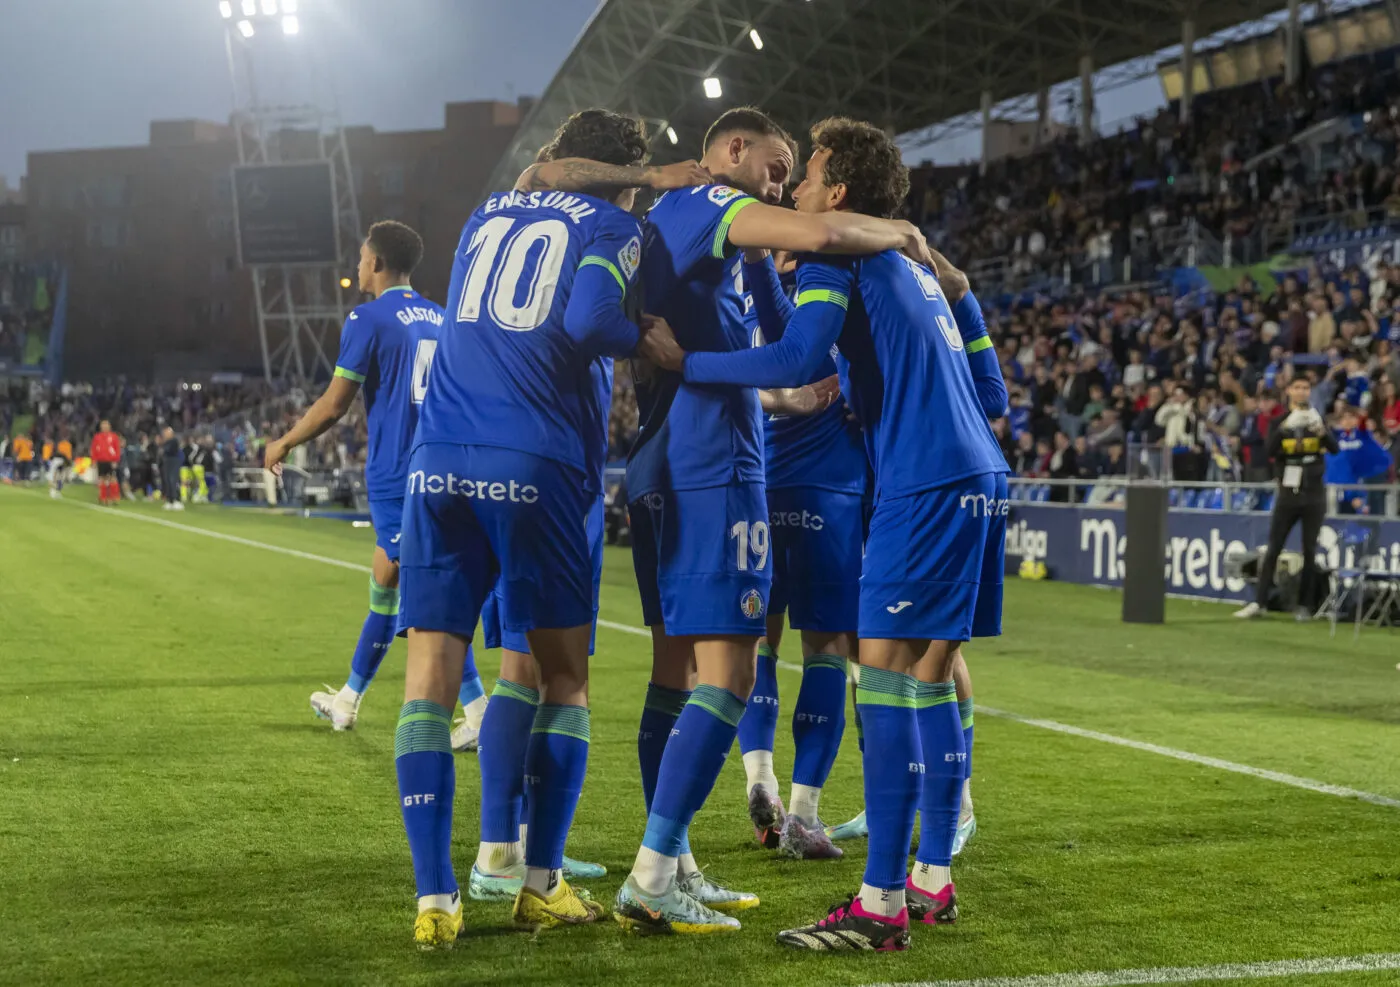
{"points": [[940, 733], [427, 782], [376, 636], [554, 768], [965, 713], [472, 688], [759, 726], [893, 769], [501, 752], [692, 762], [819, 719], [659, 714]]}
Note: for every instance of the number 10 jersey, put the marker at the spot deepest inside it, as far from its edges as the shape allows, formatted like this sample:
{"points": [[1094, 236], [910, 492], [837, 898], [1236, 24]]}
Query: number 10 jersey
{"points": [[517, 364]]}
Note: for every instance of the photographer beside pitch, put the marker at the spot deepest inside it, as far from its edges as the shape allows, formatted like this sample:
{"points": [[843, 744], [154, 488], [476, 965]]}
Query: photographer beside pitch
{"points": [[1296, 445]]}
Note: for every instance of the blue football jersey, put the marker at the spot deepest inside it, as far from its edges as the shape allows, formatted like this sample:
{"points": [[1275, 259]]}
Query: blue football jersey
{"points": [[693, 436], [906, 375], [822, 450], [535, 307], [387, 346]]}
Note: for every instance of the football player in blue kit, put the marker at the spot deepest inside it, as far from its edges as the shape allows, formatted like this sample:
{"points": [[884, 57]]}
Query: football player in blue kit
{"points": [[927, 582], [815, 469], [991, 393], [699, 512], [499, 870], [501, 481], [386, 348]]}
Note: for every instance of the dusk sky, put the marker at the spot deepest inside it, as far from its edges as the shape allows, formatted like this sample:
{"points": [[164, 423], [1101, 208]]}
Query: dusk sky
{"points": [[94, 73]]}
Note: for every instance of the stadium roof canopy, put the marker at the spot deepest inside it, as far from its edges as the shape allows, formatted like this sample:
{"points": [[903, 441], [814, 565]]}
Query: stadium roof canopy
{"points": [[903, 64]]}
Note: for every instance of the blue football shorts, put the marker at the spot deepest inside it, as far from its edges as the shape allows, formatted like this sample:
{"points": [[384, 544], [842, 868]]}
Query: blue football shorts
{"points": [[703, 559], [817, 538], [933, 563], [476, 514], [386, 514], [491, 631]]}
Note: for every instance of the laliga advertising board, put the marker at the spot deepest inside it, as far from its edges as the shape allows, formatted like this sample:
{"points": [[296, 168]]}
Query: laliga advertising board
{"points": [[1088, 545]]}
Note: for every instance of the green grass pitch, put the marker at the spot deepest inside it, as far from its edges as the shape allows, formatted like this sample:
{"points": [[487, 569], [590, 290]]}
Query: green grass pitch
{"points": [[171, 812]]}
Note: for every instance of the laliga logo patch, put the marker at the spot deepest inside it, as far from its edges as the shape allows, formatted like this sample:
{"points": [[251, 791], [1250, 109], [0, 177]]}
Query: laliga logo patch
{"points": [[751, 604], [630, 256], [720, 194]]}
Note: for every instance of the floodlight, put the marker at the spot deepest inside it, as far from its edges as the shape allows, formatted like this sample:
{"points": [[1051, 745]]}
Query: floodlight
{"points": [[226, 9], [250, 8], [712, 88], [757, 41], [290, 25], [671, 135], [269, 8], [289, 6], [345, 282], [245, 28]]}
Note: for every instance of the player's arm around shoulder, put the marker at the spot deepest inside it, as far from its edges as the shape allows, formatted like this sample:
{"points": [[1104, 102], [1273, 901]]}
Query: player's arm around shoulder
{"points": [[577, 174], [775, 228]]}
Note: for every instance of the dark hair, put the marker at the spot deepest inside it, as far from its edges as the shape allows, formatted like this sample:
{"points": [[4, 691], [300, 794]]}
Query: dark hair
{"points": [[864, 159], [396, 244], [746, 119], [598, 135]]}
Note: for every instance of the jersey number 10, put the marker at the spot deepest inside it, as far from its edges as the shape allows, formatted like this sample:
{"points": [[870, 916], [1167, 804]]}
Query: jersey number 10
{"points": [[520, 292]]}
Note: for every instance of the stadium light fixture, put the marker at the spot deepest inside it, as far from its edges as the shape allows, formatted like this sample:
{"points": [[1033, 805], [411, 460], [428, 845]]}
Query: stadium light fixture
{"points": [[269, 8], [226, 10], [245, 28], [671, 135], [249, 8], [290, 25], [712, 88], [754, 37], [289, 6]]}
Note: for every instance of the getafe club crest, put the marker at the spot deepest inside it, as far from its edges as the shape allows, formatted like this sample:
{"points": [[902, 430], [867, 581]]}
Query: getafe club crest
{"points": [[751, 604]]}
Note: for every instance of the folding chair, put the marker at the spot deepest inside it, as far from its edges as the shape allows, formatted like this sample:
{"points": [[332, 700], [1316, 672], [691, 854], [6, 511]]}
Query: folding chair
{"points": [[1361, 538]]}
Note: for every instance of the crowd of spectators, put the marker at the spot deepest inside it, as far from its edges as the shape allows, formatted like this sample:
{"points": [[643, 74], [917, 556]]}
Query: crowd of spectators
{"points": [[1186, 387], [1091, 206], [237, 418]]}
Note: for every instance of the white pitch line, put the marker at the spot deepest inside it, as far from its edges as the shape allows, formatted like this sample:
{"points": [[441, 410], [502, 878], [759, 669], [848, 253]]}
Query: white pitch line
{"points": [[1180, 974], [1294, 781], [1210, 762]]}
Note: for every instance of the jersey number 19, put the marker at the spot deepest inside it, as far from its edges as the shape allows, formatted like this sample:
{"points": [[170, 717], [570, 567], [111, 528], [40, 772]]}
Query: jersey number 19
{"points": [[520, 291]]}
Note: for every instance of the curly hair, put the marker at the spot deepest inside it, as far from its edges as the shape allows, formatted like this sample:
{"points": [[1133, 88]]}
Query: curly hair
{"points": [[598, 135], [865, 160]]}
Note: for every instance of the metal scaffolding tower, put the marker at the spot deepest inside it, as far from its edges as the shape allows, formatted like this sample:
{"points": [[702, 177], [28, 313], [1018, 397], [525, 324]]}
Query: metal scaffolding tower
{"points": [[302, 305]]}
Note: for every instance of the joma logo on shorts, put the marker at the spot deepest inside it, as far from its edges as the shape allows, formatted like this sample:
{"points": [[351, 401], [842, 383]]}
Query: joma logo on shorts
{"points": [[983, 506], [420, 482]]}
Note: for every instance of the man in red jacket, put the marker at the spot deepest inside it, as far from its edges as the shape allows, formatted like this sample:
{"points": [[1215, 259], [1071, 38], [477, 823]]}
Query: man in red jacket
{"points": [[106, 452]]}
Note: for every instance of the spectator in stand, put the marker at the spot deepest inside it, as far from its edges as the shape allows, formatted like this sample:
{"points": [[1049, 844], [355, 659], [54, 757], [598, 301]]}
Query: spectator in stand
{"points": [[1064, 465], [1026, 459], [1322, 327], [1177, 420]]}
